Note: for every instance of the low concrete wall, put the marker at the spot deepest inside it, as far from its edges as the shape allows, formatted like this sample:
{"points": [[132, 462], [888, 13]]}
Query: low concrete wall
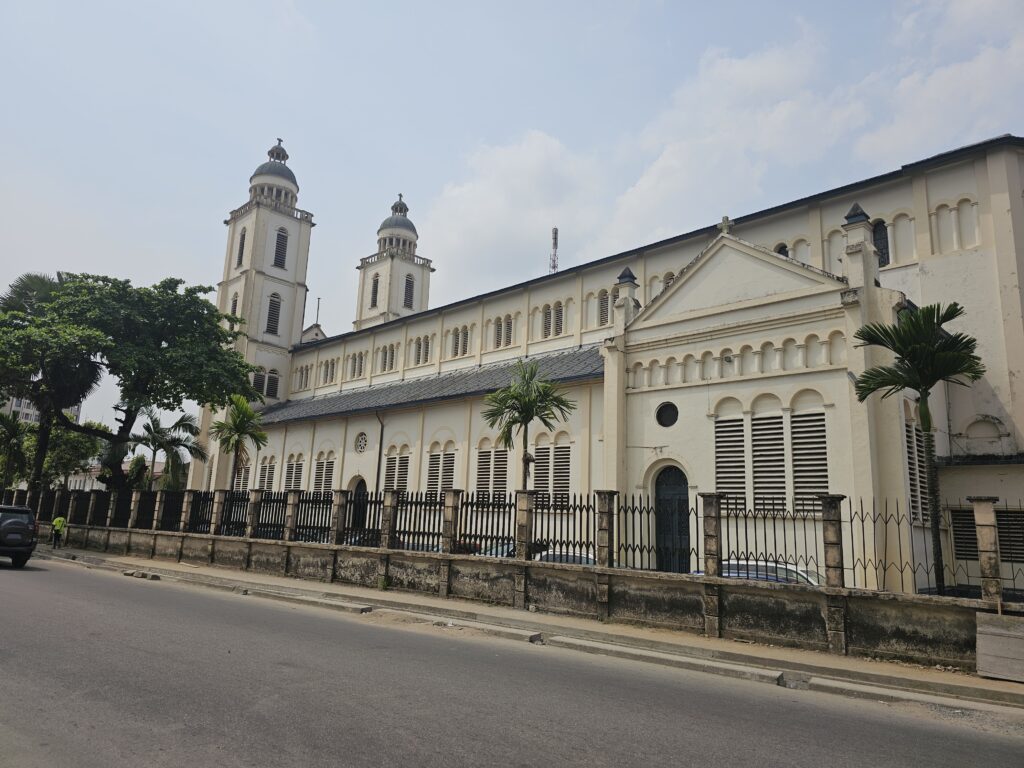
{"points": [[912, 627]]}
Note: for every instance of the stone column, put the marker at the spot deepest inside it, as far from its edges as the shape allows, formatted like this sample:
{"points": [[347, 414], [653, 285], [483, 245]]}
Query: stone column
{"points": [[252, 512], [91, 512], [711, 516], [387, 519], [339, 509], [832, 536], [158, 511], [134, 514], [525, 502], [111, 506], [291, 515], [988, 546], [218, 512], [606, 547], [186, 511], [450, 520]]}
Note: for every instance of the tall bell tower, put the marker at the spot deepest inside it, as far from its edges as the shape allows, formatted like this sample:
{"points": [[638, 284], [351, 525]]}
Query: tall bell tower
{"points": [[263, 284], [393, 282]]}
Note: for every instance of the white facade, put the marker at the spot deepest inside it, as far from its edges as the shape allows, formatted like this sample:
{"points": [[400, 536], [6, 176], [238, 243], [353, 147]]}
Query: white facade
{"points": [[746, 328]]}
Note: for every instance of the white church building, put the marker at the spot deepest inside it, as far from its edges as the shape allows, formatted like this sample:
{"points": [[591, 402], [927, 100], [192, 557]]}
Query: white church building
{"points": [[721, 359]]}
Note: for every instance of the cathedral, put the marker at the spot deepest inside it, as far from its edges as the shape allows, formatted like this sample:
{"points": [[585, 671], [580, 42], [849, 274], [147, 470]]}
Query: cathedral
{"points": [[721, 359]]}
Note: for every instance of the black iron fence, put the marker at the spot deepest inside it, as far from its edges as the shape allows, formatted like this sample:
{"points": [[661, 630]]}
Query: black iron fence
{"points": [[45, 504], [363, 513], [273, 510], [655, 534], [418, 520], [235, 514], [773, 543], [122, 512], [78, 513], [146, 510], [564, 528], [313, 517], [487, 524], [201, 512], [170, 511], [100, 508]]}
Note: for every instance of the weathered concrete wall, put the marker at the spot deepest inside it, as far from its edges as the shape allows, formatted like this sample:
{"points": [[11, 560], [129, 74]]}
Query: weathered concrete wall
{"points": [[268, 558], [656, 599], [482, 579], [362, 567], [167, 546], [231, 553], [313, 562], [777, 613], [196, 549], [557, 588], [140, 543], [417, 573], [117, 541]]}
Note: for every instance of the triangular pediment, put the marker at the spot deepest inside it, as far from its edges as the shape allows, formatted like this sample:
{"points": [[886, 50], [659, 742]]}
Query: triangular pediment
{"points": [[732, 273]]}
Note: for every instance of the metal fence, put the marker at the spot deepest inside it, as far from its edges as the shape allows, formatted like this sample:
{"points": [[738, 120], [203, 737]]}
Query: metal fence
{"points": [[122, 512], [8, 497], [100, 508], [418, 521], [235, 514], [45, 504], [146, 510], [564, 528], [201, 512], [658, 535], [487, 525], [769, 543], [362, 519], [78, 513], [170, 511], [313, 517], [273, 509]]}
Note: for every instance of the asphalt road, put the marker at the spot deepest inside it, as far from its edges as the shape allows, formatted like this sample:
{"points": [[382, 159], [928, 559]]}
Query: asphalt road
{"points": [[101, 670]]}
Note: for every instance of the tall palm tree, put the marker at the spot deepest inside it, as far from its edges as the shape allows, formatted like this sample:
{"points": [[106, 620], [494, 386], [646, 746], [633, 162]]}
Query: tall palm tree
{"points": [[926, 355], [29, 292], [528, 397], [13, 432], [171, 440], [241, 425]]}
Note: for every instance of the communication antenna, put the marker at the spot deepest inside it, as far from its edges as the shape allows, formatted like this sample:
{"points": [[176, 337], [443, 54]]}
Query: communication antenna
{"points": [[553, 262]]}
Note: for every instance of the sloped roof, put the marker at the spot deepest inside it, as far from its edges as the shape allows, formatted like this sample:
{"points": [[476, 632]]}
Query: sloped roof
{"points": [[563, 366]]}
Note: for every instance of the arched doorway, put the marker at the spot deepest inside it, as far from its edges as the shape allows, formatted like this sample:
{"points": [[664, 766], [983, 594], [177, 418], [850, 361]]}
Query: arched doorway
{"points": [[672, 520], [360, 504]]}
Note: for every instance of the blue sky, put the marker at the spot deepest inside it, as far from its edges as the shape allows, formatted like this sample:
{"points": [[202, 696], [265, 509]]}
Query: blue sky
{"points": [[131, 128]]}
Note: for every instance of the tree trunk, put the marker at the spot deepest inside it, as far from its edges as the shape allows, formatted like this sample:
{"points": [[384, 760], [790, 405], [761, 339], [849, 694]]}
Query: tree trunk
{"points": [[8, 458], [932, 473], [526, 457], [234, 469], [152, 471], [42, 448]]}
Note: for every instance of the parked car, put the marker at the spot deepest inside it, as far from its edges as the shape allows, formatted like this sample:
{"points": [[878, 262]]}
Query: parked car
{"points": [[561, 555], [787, 573], [19, 533]]}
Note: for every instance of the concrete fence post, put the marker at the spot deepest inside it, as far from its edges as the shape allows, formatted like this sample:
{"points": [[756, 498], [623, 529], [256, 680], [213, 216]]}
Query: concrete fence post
{"points": [[217, 513], [186, 512], [606, 546], [158, 511], [988, 546], [339, 511], [111, 506], [388, 513], [58, 499], [832, 538], [253, 512], [95, 508], [133, 516], [525, 504], [450, 520], [712, 505], [291, 515]]}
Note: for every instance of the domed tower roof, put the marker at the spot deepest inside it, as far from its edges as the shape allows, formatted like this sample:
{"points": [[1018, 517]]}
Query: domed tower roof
{"points": [[276, 165], [399, 218]]}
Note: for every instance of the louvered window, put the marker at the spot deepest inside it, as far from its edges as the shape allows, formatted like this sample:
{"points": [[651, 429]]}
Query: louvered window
{"points": [[465, 340], [434, 473], [810, 460], [273, 378], [499, 470], [426, 349], [390, 472], [560, 474], [323, 474], [730, 463], [1010, 527], [483, 471], [965, 534], [880, 239], [455, 343], [769, 465], [602, 308], [281, 248], [273, 314], [410, 284], [402, 478], [241, 248], [267, 476], [542, 469], [374, 290], [447, 471], [917, 474], [234, 305], [508, 330], [259, 381], [293, 475], [546, 329], [499, 327], [419, 352], [558, 312], [241, 478]]}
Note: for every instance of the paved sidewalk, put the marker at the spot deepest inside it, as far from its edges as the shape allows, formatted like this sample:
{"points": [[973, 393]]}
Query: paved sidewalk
{"points": [[795, 668]]}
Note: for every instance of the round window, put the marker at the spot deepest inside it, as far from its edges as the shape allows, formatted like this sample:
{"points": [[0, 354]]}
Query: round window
{"points": [[667, 414], [361, 442]]}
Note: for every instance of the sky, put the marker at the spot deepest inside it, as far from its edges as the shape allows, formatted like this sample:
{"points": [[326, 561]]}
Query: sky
{"points": [[130, 129]]}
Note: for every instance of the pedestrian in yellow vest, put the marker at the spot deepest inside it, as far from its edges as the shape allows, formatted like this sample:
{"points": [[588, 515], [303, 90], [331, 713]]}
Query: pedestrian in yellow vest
{"points": [[57, 526]]}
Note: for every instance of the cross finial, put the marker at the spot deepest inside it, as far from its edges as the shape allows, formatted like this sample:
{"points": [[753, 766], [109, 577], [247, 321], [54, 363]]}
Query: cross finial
{"points": [[725, 226], [399, 197], [280, 142]]}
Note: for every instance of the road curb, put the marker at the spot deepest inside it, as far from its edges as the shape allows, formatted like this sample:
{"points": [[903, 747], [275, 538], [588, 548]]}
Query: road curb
{"points": [[790, 674]]}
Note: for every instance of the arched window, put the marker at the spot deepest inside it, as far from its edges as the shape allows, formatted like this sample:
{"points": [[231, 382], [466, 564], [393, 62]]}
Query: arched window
{"points": [[546, 327], [234, 304], [880, 238], [374, 289], [241, 248], [508, 330], [782, 249], [499, 332], [274, 314], [281, 248], [259, 380], [426, 349], [602, 307], [419, 352], [558, 318], [455, 343], [273, 377], [410, 283], [465, 340]]}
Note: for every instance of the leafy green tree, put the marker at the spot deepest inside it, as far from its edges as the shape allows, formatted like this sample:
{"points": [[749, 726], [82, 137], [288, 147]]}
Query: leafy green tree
{"points": [[67, 453], [163, 345], [925, 355], [528, 397], [241, 425], [181, 436], [13, 433]]}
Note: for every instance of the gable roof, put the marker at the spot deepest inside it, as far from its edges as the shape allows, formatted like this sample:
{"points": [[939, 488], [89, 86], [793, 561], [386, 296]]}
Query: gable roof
{"points": [[565, 366]]}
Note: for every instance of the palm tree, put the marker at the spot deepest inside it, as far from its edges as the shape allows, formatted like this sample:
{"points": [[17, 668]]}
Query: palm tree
{"points": [[527, 397], [29, 292], [171, 440], [925, 356], [241, 424], [13, 432]]}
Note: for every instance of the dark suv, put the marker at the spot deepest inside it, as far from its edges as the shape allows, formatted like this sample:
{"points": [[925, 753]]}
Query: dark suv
{"points": [[18, 534]]}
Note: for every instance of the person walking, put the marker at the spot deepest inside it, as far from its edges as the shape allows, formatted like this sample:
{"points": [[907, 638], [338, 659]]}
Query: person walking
{"points": [[57, 527]]}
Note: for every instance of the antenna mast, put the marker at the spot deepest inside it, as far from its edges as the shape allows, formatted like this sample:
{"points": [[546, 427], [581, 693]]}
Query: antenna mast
{"points": [[553, 261]]}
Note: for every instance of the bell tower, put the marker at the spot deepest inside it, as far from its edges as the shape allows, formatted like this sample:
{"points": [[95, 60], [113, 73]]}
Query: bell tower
{"points": [[394, 282], [264, 285]]}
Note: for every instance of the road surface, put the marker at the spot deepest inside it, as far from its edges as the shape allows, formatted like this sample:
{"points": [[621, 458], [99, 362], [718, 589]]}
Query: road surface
{"points": [[97, 669]]}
